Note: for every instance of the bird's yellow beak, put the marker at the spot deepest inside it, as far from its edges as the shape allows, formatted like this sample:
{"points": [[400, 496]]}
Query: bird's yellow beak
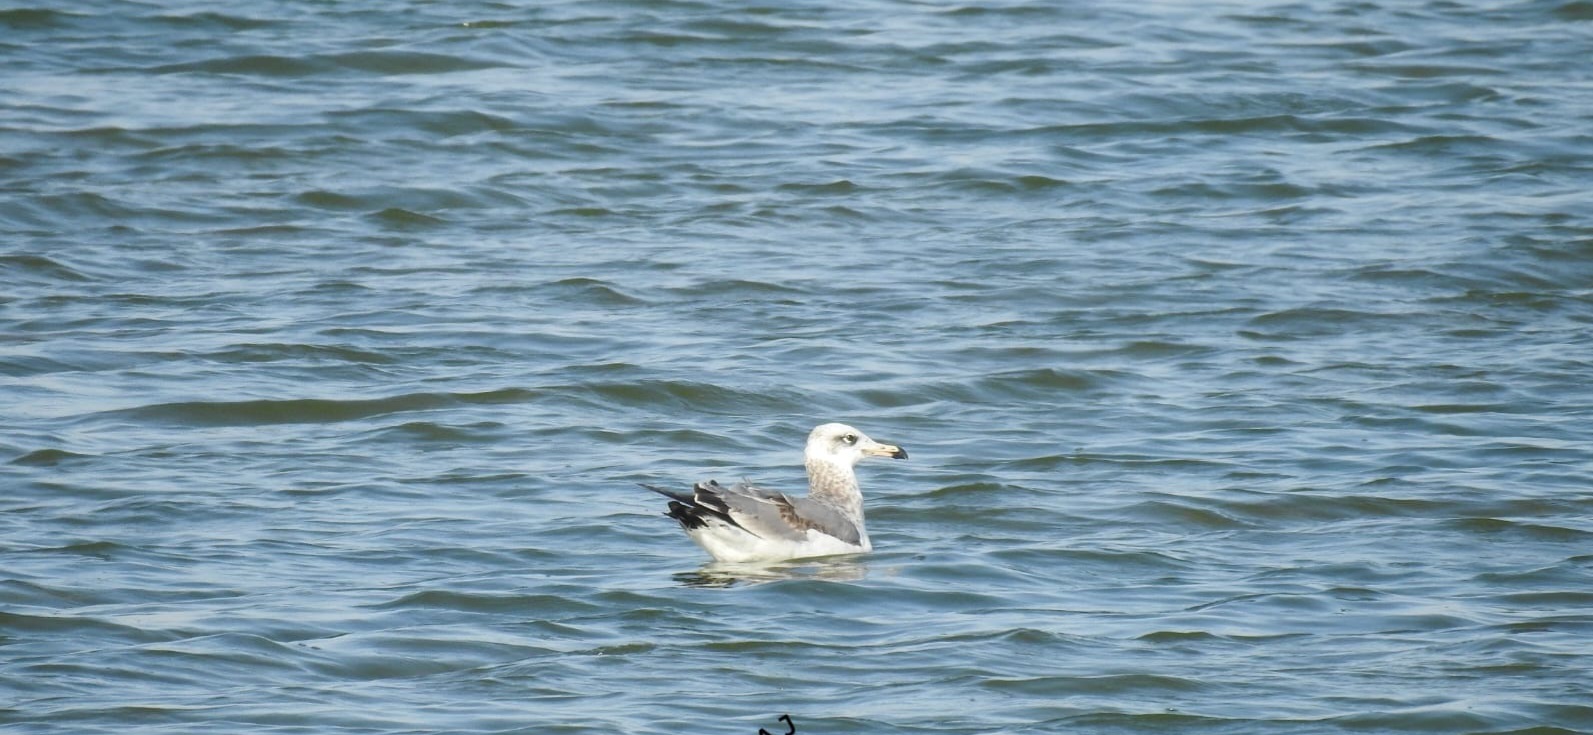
{"points": [[885, 450]]}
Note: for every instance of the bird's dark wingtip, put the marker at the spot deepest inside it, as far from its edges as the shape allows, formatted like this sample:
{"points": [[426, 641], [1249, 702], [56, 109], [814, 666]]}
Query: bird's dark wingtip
{"points": [[687, 516], [671, 494]]}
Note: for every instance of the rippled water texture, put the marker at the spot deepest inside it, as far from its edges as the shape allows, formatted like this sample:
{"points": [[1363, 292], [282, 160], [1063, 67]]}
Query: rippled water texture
{"points": [[1242, 350]]}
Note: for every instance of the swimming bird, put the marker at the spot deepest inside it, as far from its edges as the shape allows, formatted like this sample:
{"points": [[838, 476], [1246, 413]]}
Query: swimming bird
{"points": [[744, 523]]}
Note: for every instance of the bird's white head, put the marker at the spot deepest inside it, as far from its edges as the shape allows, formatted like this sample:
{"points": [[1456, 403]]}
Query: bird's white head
{"points": [[843, 445]]}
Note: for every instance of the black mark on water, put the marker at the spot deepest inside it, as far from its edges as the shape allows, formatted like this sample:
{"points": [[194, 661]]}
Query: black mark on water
{"points": [[788, 723]]}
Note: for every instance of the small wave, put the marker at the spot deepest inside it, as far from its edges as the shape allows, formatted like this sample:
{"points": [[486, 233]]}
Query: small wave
{"points": [[46, 458], [1578, 10], [1443, 145], [215, 20], [1033, 383], [88, 627], [1114, 684], [739, 287], [311, 410], [25, 19], [374, 62], [1308, 322], [590, 291], [280, 352], [1185, 513], [75, 206], [688, 394], [838, 187], [481, 602], [445, 124], [1536, 530], [25, 264], [982, 181], [264, 65], [404, 219], [1319, 507], [408, 62]]}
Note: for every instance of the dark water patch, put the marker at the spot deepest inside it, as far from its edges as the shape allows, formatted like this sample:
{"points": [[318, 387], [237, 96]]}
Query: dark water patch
{"points": [[1182, 513], [1447, 717], [1020, 637], [241, 653], [309, 353], [332, 200], [1523, 529], [266, 65], [1334, 507], [1354, 48], [395, 198], [1548, 599], [778, 647], [39, 266], [995, 182], [590, 291], [1557, 584], [267, 230], [1264, 192], [741, 288], [428, 432], [1180, 637], [817, 595], [967, 489], [583, 212], [253, 156], [1116, 684], [1541, 301], [211, 20], [101, 550], [76, 627], [881, 398], [1010, 385], [838, 187], [48, 458], [1159, 350], [1080, 457], [685, 394], [152, 510], [112, 137], [89, 206], [443, 124], [1579, 10], [312, 410], [449, 600], [403, 219], [1309, 322], [370, 62], [1443, 145], [1464, 408], [408, 62], [18, 594], [1408, 70], [40, 19], [1089, 560]]}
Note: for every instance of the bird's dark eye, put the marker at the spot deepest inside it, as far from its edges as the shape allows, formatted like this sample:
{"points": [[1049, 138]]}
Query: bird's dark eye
{"points": [[849, 438]]}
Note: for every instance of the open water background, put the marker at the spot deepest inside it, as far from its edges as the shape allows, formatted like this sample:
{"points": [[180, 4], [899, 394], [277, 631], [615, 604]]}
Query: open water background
{"points": [[1244, 351]]}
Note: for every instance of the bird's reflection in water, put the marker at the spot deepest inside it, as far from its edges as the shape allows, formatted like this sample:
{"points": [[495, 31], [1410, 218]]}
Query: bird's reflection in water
{"points": [[722, 574]]}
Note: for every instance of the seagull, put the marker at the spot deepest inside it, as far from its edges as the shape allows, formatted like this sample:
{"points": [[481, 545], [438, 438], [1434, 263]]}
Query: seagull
{"points": [[746, 524]]}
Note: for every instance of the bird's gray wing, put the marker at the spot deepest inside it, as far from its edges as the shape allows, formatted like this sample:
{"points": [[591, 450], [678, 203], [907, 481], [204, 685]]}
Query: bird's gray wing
{"points": [[773, 514]]}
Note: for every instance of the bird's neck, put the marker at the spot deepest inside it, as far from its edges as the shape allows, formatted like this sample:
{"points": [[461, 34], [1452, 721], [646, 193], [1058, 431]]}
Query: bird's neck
{"points": [[836, 485]]}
